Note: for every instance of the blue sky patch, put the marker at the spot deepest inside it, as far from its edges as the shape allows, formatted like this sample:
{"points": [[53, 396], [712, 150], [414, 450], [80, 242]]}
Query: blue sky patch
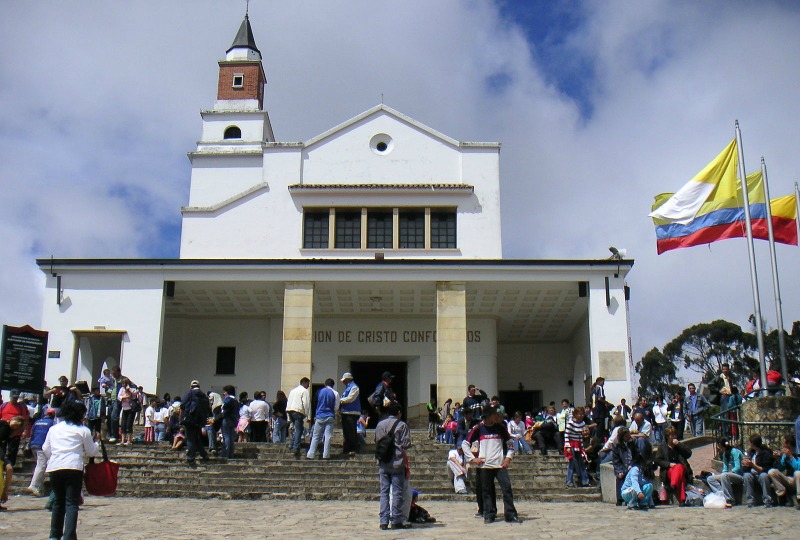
{"points": [[547, 25]]}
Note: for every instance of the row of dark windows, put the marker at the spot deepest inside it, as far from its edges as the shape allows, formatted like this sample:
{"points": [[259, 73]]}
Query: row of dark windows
{"points": [[380, 227]]}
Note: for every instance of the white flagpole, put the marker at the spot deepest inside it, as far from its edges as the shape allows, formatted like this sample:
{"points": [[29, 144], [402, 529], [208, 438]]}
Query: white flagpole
{"points": [[775, 282], [797, 209], [753, 274]]}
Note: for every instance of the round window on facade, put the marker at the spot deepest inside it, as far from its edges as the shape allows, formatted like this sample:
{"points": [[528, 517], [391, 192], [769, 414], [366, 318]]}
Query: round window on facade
{"points": [[233, 132], [381, 144]]}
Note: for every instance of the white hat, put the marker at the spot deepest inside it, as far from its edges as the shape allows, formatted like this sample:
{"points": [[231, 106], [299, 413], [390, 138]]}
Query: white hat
{"points": [[347, 375]]}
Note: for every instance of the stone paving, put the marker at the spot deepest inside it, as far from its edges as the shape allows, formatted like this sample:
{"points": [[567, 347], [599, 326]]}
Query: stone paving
{"points": [[133, 518]]}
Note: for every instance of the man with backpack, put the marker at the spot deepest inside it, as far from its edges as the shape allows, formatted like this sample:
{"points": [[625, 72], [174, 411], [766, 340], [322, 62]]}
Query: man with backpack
{"points": [[196, 410], [392, 439]]}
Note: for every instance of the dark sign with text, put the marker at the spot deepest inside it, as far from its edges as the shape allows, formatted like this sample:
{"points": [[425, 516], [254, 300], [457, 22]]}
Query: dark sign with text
{"points": [[22, 360]]}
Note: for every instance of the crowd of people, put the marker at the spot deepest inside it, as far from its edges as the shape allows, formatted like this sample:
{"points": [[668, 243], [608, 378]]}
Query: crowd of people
{"points": [[480, 435]]}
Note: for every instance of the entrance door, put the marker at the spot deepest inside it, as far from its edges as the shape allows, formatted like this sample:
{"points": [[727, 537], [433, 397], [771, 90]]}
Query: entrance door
{"points": [[522, 401], [368, 374]]}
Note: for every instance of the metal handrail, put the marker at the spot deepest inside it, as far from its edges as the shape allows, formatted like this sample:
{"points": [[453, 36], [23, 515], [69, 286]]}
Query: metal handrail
{"points": [[737, 436]]}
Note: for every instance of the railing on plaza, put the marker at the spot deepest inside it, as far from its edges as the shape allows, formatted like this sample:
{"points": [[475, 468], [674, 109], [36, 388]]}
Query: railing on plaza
{"points": [[728, 423]]}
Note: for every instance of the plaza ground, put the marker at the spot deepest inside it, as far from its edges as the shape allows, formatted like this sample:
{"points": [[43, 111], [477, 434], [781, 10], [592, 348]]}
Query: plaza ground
{"points": [[134, 518]]}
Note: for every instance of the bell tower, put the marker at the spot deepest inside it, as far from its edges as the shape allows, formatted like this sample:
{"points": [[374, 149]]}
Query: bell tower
{"points": [[241, 74]]}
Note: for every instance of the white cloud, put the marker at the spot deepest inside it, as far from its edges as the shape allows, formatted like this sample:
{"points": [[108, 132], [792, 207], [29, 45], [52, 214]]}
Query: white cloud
{"points": [[101, 101]]}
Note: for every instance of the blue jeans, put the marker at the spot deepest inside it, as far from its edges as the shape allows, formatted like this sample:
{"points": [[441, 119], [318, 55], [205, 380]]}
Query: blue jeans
{"points": [[395, 482], [577, 466], [521, 445], [159, 431], [297, 421], [113, 419], [323, 427], [449, 437], [658, 433], [698, 427], [212, 438], [279, 430], [631, 498], [228, 436]]}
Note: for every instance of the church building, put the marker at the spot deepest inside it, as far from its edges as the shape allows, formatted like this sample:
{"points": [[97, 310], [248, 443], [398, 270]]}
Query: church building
{"points": [[375, 246]]}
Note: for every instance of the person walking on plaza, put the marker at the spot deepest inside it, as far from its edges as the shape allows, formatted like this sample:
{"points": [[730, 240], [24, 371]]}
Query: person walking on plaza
{"points": [[695, 408], [493, 438], [65, 446], [195, 411], [299, 408], [392, 472], [324, 416], [230, 419], [350, 410], [38, 435]]}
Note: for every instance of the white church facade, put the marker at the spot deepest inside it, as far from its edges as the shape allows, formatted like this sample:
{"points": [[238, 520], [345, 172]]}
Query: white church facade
{"points": [[375, 246]]}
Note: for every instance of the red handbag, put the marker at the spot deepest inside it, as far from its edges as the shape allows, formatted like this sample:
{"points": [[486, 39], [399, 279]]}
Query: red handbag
{"points": [[101, 478]]}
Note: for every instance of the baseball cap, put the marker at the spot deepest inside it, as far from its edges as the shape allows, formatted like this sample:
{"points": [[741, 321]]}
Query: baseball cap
{"points": [[195, 383], [387, 375], [347, 375], [50, 412]]}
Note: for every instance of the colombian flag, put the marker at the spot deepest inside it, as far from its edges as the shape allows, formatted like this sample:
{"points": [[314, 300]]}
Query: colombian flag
{"points": [[722, 217]]}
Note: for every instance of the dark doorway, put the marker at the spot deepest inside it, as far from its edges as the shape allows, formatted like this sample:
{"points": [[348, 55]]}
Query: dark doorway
{"points": [[522, 401], [367, 375]]}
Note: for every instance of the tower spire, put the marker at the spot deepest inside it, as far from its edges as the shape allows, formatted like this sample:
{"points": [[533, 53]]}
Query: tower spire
{"points": [[244, 37]]}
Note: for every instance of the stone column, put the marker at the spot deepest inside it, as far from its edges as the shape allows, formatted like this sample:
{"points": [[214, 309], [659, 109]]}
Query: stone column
{"points": [[298, 316], [451, 340]]}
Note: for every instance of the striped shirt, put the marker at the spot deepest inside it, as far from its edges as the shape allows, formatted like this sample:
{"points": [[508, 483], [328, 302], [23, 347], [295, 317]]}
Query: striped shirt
{"points": [[574, 430]]}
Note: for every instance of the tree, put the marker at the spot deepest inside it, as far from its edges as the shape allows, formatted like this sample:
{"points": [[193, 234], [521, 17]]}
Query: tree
{"points": [[703, 348], [657, 375], [792, 343]]}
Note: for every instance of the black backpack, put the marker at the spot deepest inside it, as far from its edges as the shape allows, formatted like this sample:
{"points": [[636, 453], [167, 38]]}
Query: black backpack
{"points": [[384, 448]]}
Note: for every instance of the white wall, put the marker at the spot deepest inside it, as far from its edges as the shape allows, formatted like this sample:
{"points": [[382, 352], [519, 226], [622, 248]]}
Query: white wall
{"points": [[415, 156], [190, 349], [538, 366], [268, 223], [608, 328], [119, 301]]}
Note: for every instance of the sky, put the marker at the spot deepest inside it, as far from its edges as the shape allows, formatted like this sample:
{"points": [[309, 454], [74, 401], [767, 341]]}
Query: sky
{"points": [[599, 106]]}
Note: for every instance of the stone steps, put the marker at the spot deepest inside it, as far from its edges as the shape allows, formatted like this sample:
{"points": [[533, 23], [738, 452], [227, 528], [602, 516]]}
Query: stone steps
{"points": [[270, 471]]}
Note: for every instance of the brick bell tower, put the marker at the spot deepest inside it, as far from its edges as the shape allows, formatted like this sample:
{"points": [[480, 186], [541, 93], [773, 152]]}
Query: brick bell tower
{"points": [[241, 75]]}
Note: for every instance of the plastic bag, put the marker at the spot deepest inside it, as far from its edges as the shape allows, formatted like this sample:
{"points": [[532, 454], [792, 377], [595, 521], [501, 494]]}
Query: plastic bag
{"points": [[714, 500]]}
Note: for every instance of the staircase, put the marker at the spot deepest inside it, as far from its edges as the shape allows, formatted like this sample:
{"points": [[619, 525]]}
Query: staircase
{"points": [[270, 471]]}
